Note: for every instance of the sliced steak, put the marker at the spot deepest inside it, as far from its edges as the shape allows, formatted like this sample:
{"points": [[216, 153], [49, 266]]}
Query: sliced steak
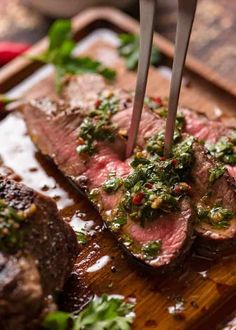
{"points": [[175, 231], [220, 192], [38, 250], [200, 127], [204, 129], [209, 131], [56, 134]]}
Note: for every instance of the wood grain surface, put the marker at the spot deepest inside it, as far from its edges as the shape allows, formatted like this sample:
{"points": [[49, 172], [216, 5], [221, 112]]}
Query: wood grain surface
{"points": [[203, 286], [213, 38]]}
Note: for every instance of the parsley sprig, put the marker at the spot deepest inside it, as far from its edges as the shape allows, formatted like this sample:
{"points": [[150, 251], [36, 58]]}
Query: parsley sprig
{"points": [[60, 54], [129, 50], [102, 313]]}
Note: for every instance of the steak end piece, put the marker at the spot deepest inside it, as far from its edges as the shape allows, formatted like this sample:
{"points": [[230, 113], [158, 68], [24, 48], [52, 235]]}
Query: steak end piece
{"points": [[55, 131], [212, 240], [40, 260]]}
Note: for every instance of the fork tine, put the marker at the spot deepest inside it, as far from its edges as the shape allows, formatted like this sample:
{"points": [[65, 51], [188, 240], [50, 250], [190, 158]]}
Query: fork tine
{"points": [[186, 13], [147, 14]]}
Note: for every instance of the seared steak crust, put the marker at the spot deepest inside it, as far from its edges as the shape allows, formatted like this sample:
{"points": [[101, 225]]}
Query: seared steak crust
{"points": [[21, 296], [40, 264]]}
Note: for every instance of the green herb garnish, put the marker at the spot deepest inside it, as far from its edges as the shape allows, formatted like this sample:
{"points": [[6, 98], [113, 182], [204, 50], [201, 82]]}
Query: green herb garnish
{"points": [[224, 150], [218, 217], [127, 240], [155, 145], [10, 223], [156, 184], [129, 50], [81, 237], [117, 222], [97, 126], [102, 313], [215, 173], [59, 53], [152, 249], [57, 321], [112, 184]]}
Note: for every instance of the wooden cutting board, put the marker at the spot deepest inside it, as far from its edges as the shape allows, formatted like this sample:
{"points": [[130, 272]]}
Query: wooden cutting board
{"points": [[213, 37], [204, 288]]}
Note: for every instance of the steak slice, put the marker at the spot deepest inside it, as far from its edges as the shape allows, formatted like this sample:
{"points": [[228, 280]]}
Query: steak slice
{"points": [[175, 231], [38, 250], [21, 296], [56, 132], [203, 129], [212, 239], [209, 131]]}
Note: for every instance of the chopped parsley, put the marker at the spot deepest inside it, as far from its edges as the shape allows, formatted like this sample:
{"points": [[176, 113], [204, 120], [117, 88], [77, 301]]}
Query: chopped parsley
{"points": [[127, 240], [218, 217], [103, 313], [156, 184], [60, 54], [129, 50], [152, 249], [117, 222], [10, 225], [155, 145], [224, 150], [112, 184], [81, 237], [97, 126], [215, 173]]}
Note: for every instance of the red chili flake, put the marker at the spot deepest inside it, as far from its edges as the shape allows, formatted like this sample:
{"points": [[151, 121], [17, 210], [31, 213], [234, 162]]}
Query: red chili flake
{"points": [[98, 103], [177, 190], [80, 141], [158, 101], [174, 162], [137, 199], [148, 185], [162, 158], [182, 188]]}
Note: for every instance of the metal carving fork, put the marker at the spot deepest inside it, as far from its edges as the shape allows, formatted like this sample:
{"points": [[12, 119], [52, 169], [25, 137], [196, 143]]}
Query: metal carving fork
{"points": [[186, 13]]}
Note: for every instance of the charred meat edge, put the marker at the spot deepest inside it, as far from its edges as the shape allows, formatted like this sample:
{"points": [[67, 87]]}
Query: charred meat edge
{"points": [[39, 266]]}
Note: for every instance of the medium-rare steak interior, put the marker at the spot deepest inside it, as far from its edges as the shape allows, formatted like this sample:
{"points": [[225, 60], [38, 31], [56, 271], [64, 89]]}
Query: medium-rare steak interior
{"points": [[152, 204], [37, 252]]}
